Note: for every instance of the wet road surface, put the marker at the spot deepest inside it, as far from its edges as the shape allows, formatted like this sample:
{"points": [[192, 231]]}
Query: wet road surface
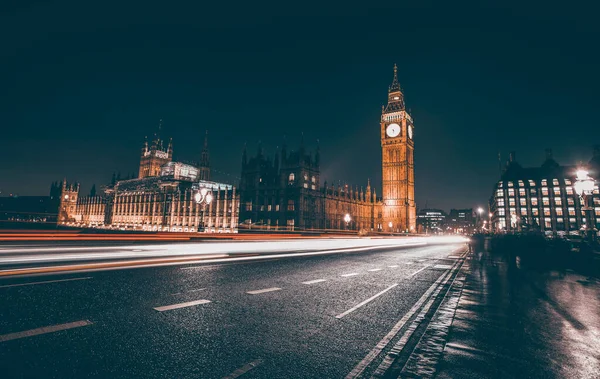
{"points": [[306, 317]]}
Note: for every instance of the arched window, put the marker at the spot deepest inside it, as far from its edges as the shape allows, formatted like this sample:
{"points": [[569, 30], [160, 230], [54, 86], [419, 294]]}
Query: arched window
{"points": [[292, 177]]}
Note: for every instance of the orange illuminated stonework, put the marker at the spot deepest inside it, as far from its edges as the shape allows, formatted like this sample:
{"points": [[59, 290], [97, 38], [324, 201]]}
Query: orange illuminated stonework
{"points": [[397, 161], [154, 156]]}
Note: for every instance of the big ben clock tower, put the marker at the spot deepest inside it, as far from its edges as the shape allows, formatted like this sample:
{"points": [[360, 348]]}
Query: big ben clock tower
{"points": [[398, 169]]}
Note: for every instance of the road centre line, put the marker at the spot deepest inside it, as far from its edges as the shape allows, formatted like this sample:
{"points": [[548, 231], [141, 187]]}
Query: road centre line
{"points": [[362, 365], [315, 281], [393, 266], [181, 305], [244, 369], [182, 292], [418, 271], [374, 269], [351, 274], [44, 330], [256, 292], [366, 301], [44, 282]]}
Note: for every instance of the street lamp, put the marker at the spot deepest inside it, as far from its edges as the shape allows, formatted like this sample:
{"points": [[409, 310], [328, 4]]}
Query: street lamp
{"points": [[480, 213], [390, 225], [584, 187], [347, 220], [203, 198]]}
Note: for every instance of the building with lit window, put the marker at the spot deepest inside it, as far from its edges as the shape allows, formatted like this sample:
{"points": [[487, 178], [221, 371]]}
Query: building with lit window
{"points": [[431, 221], [541, 198], [162, 198], [285, 191], [460, 221]]}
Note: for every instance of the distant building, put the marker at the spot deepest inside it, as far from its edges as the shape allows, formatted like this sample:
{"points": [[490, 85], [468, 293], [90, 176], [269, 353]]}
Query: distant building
{"points": [[461, 221], [431, 221], [38, 209], [542, 198], [161, 199]]}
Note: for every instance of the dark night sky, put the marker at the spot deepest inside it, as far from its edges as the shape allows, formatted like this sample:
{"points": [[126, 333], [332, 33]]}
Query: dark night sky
{"points": [[82, 84]]}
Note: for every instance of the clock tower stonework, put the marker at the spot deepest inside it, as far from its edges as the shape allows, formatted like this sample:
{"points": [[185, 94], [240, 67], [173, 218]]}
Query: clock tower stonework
{"points": [[397, 159]]}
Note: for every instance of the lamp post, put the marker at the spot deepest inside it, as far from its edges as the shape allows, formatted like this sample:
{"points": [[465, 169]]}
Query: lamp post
{"points": [[390, 224], [480, 213], [347, 220], [203, 198], [584, 187]]}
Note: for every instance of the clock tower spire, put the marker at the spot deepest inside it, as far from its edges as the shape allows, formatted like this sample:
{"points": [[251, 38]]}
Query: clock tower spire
{"points": [[397, 153]]}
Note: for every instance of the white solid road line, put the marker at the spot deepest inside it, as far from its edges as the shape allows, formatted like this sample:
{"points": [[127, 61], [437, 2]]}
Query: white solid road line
{"points": [[366, 301], [453, 256], [374, 269], [44, 330], [315, 281], [45, 282], [244, 369], [181, 305], [351, 274], [393, 266], [392, 333], [401, 343], [443, 267], [310, 254], [256, 292]]}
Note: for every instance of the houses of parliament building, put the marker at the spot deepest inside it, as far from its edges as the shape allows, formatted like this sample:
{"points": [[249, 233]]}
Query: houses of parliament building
{"points": [[283, 192]]}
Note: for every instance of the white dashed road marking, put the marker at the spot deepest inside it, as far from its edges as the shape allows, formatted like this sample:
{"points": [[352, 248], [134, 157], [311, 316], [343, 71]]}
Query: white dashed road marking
{"points": [[374, 269], [44, 330], [366, 301], [351, 274], [315, 281], [256, 292], [196, 290], [181, 305], [244, 369], [393, 266], [418, 271]]}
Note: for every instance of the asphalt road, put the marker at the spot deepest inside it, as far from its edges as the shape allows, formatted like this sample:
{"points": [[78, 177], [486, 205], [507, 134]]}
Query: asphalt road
{"points": [[301, 317]]}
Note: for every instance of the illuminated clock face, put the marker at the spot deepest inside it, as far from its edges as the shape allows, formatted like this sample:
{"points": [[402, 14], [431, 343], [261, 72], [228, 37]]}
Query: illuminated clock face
{"points": [[393, 130], [410, 132]]}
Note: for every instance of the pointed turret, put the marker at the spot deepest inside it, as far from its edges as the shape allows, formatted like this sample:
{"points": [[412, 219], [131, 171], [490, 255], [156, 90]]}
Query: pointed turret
{"points": [[245, 155], [395, 96], [259, 152], [284, 151], [205, 160], [318, 154], [170, 148], [276, 160], [145, 147]]}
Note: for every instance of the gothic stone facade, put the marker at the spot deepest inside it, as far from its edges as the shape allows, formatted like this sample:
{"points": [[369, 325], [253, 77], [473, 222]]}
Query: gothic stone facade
{"points": [[286, 192], [161, 199]]}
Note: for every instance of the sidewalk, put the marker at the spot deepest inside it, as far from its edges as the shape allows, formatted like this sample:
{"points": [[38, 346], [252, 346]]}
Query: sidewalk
{"points": [[512, 322]]}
